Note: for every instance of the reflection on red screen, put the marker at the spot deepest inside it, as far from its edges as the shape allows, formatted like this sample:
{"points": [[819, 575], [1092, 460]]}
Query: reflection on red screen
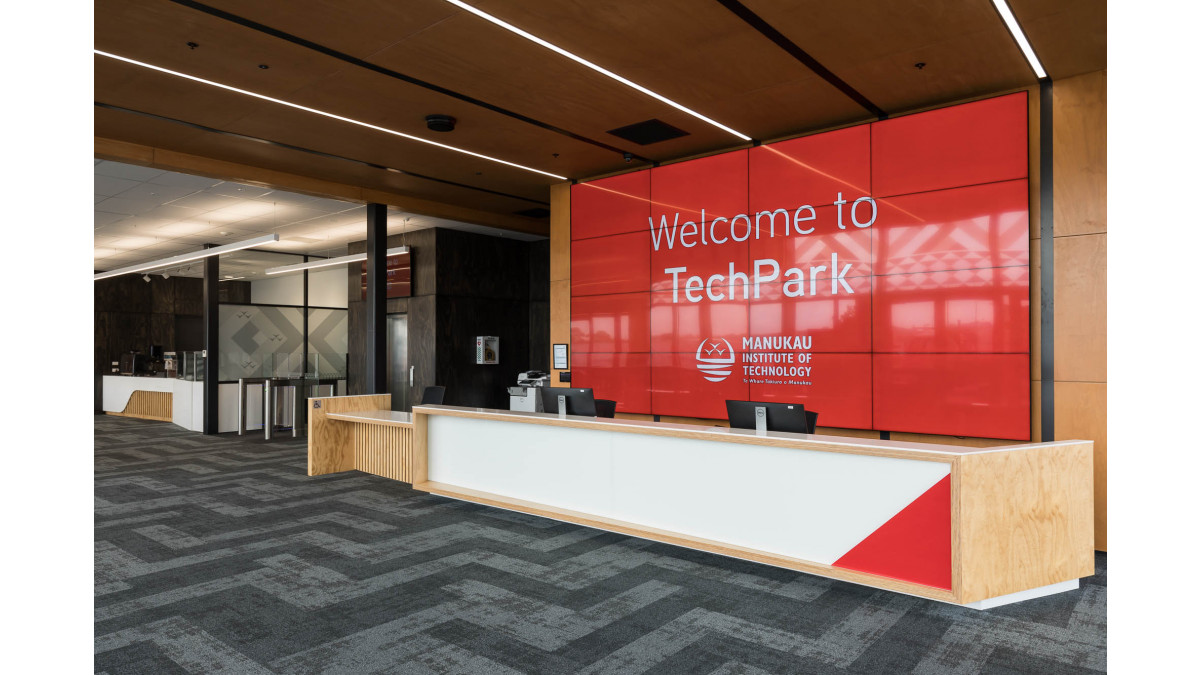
{"points": [[877, 274], [980, 142], [611, 205], [840, 392], [624, 378], [983, 395]]}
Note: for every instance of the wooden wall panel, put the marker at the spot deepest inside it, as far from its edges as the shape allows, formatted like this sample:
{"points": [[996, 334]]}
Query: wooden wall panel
{"points": [[560, 270], [1080, 273], [1081, 308], [1080, 411], [1081, 155]]}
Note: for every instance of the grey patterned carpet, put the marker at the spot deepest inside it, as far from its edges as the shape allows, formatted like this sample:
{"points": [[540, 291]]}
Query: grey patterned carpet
{"points": [[218, 554]]}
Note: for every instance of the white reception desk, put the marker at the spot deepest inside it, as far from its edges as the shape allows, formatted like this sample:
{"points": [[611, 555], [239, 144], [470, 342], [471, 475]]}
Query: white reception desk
{"points": [[977, 527]]}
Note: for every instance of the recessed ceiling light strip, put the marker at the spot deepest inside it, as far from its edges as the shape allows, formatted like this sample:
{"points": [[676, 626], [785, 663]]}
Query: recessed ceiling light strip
{"points": [[1019, 35], [188, 257], [330, 115], [329, 262], [603, 71]]}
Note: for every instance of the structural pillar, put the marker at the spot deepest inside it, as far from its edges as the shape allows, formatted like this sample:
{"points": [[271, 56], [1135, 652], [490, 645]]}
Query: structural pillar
{"points": [[376, 305], [212, 292]]}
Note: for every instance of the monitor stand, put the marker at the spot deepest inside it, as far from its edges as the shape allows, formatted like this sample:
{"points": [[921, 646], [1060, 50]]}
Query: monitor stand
{"points": [[760, 420], [562, 406]]}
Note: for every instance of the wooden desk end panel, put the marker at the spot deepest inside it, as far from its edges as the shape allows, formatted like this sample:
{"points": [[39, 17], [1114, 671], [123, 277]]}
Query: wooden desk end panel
{"points": [[419, 466], [331, 442], [1023, 519]]}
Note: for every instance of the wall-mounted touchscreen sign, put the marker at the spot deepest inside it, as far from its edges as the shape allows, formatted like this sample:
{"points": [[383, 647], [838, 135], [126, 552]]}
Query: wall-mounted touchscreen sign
{"points": [[878, 274]]}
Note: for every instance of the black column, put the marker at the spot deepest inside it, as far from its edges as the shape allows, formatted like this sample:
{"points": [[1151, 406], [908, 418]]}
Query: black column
{"points": [[376, 306], [1046, 234], [212, 291]]}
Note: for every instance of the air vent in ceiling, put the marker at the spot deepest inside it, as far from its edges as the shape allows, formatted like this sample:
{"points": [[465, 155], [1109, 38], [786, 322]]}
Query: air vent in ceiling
{"points": [[536, 212], [650, 131]]}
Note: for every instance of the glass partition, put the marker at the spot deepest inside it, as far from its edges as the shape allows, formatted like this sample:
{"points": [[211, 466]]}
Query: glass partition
{"points": [[260, 342]]}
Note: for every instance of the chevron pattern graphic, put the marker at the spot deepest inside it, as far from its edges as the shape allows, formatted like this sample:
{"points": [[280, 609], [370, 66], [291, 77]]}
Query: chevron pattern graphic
{"points": [[218, 554]]}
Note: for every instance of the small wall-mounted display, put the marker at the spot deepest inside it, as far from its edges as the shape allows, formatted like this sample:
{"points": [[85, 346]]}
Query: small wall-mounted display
{"points": [[560, 357], [487, 349]]}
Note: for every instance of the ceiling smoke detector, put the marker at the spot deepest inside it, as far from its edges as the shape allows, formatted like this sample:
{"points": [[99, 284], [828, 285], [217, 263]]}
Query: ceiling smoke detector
{"points": [[440, 123]]}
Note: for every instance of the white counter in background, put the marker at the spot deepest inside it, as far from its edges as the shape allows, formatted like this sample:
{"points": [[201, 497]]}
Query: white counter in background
{"points": [[118, 389], [187, 410]]}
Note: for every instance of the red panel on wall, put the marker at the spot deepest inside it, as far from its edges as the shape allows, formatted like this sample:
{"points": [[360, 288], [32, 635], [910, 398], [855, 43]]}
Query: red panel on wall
{"points": [[610, 205], [610, 323], [682, 326], [964, 311], [811, 170], [953, 394], [836, 323], [715, 184], [616, 264], [682, 388], [980, 142], [913, 546], [624, 378], [914, 311], [817, 249], [839, 390], [971, 227]]}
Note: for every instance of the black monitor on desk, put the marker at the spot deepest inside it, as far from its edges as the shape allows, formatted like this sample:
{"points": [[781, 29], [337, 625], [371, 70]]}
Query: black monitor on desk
{"points": [[779, 416], [579, 401]]}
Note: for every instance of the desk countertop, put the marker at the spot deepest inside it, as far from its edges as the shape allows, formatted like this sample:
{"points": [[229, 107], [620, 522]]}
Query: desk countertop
{"points": [[815, 441]]}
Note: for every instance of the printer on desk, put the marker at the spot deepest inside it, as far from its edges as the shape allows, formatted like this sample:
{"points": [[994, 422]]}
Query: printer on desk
{"points": [[525, 396]]}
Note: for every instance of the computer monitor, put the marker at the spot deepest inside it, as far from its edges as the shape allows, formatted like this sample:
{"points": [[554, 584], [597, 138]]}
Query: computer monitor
{"points": [[779, 416], [579, 401]]}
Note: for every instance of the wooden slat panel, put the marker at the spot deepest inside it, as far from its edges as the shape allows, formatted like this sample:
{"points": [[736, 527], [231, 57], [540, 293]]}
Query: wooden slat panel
{"points": [[1023, 519], [383, 450], [148, 405]]}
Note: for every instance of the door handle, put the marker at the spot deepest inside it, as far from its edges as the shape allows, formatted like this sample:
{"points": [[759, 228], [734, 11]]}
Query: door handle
{"points": [[411, 369]]}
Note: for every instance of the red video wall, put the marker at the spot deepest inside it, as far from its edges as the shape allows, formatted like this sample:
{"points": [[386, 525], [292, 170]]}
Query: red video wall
{"points": [[877, 274]]}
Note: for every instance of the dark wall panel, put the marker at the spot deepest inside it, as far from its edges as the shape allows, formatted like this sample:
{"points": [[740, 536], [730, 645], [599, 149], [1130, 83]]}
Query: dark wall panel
{"points": [[131, 313], [460, 320]]}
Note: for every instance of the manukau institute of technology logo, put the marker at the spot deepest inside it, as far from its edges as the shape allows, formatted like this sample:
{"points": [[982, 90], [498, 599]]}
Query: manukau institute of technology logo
{"points": [[714, 358]]}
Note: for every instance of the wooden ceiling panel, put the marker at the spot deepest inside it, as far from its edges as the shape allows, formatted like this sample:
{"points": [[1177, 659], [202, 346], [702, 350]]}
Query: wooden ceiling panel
{"points": [[355, 27], [874, 47], [315, 133], [157, 32], [474, 57], [143, 131], [1069, 36], [677, 48], [378, 99], [137, 88]]}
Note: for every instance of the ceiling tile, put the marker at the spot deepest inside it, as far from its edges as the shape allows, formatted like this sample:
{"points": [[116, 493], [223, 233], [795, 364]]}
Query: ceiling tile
{"points": [[158, 194], [238, 190], [104, 218], [184, 180], [109, 186], [205, 201], [129, 171]]}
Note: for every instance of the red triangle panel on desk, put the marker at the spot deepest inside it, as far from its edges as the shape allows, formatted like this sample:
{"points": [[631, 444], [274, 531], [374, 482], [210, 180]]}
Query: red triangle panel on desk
{"points": [[913, 546]]}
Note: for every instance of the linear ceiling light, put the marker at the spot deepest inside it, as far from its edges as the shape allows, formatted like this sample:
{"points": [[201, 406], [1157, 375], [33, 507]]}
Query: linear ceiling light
{"points": [[189, 257], [1019, 36], [580, 60], [329, 262], [330, 115]]}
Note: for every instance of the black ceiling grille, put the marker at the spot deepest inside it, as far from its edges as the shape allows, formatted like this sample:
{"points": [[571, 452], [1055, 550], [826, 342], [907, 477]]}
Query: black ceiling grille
{"points": [[537, 212], [650, 131]]}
